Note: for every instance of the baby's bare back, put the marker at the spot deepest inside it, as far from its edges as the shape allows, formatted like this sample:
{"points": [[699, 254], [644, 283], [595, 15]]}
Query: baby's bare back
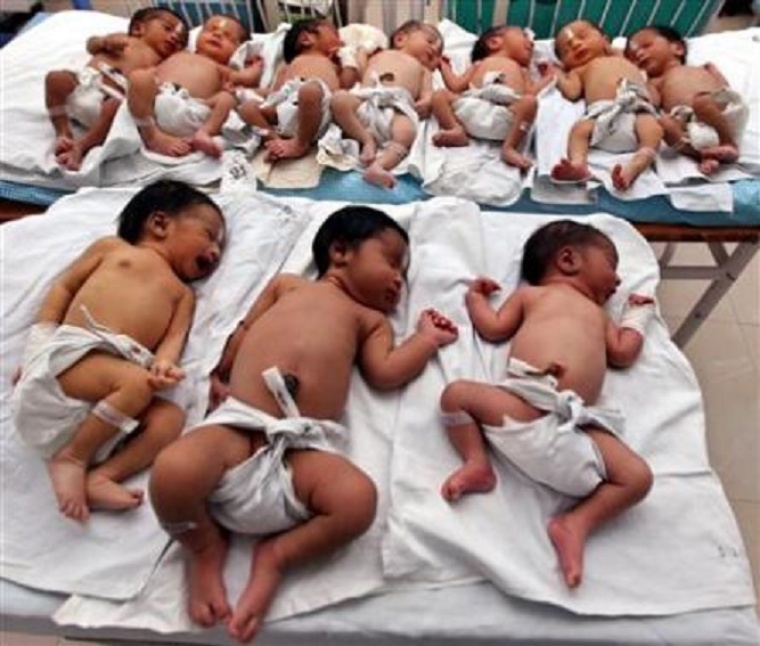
{"points": [[199, 75], [397, 69], [563, 327], [135, 55], [601, 77], [681, 84], [311, 332], [133, 292], [510, 72], [314, 65]]}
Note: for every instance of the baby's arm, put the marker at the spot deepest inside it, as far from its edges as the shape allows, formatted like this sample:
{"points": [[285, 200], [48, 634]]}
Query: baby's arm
{"points": [[250, 75], [109, 44], [385, 366], [493, 325], [570, 84], [424, 103], [165, 371], [625, 340], [454, 82]]}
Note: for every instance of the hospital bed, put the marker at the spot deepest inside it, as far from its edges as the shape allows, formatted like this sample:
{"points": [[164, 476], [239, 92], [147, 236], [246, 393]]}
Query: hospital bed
{"points": [[673, 572]]}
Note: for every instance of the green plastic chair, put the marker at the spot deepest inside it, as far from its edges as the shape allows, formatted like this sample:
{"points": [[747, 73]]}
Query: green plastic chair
{"points": [[615, 17]]}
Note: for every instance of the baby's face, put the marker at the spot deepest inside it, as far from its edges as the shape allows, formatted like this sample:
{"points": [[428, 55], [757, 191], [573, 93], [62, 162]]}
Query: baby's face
{"points": [[327, 39], [599, 270], [424, 44], [580, 42], [164, 33], [652, 52], [196, 241], [517, 45], [219, 39], [377, 269]]}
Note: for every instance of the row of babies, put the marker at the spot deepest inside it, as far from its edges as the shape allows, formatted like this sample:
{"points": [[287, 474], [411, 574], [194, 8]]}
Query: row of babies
{"points": [[99, 391], [180, 99]]}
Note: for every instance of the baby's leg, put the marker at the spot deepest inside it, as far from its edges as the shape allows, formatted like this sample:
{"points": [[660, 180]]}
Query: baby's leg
{"points": [[96, 135], [452, 132], [183, 476], [523, 114], [58, 86], [649, 134], [117, 387], [255, 115], [310, 96], [160, 426], [141, 98], [708, 111], [344, 107], [466, 405], [629, 479], [221, 105], [574, 168], [403, 132], [343, 500]]}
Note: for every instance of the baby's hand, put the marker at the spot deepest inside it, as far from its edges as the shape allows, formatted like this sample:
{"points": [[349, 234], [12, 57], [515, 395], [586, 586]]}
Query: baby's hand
{"points": [[164, 374], [637, 313], [115, 43], [437, 327], [639, 299], [484, 286], [423, 108]]}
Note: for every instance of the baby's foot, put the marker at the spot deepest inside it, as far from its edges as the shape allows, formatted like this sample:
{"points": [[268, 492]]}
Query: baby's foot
{"points": [[725, 153], [569, 548], [253, 604], [569, 171], [514, 158], [368, 152], [169, 145], [206, 144], [709, 166], [472, 477], [72, 158], [378, 176], [68, 477], [286, 149], [452, 138], [207, 602], [104, 493]]}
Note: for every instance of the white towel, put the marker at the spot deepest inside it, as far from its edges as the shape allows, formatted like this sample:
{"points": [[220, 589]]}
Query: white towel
{"points": [[113, 554]]}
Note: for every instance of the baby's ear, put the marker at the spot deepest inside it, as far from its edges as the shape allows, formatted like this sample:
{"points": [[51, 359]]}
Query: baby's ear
{"points": [[568, 260], [338, 252], [158, 224]]}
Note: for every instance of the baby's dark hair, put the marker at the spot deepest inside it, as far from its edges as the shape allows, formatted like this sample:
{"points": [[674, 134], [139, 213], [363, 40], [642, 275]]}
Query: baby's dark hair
{"points": [[351, 226], [545, 243], [409, 27], [588, 22], [141, 16], [668, 33], [480, 49], [166, 195], [291, 46]]}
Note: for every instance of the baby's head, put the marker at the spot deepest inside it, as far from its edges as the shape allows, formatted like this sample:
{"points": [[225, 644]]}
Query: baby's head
{"points": [[655, 49], [513, 42], [420, 40], [317, 35], [366, 252], [579, 42], [183, 224], [220, 38], [565, 250], [161, 28]]}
